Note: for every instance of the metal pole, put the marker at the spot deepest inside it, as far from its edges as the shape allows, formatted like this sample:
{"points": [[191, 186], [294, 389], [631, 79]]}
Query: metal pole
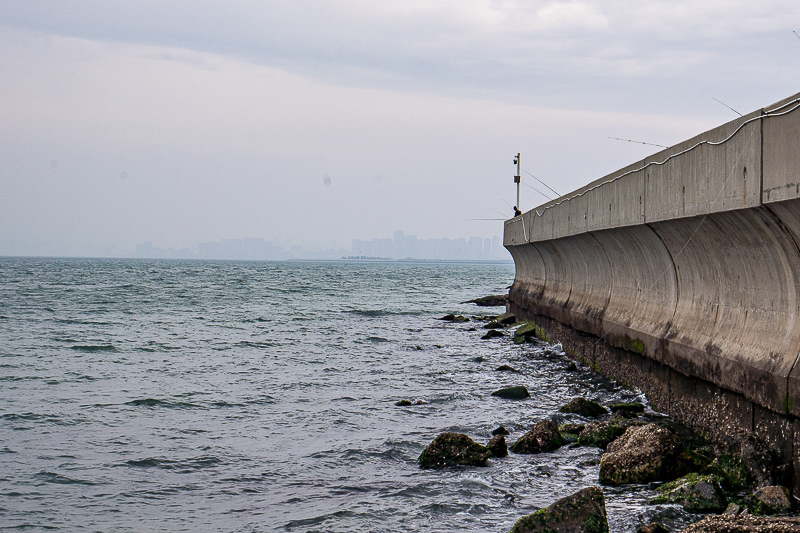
{"points": [[517, 180]]}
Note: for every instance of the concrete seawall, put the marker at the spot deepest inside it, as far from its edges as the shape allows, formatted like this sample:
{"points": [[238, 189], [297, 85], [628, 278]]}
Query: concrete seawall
{"points": [[680, 274]]}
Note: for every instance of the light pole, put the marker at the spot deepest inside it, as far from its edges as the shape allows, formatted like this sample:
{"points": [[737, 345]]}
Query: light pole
{"points": [[517, 180]]}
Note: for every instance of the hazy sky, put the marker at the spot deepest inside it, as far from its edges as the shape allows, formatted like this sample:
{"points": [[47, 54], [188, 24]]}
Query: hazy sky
{"points": [[184, 121]]}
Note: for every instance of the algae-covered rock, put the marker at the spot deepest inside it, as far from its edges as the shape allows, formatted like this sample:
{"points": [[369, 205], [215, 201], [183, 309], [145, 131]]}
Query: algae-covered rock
{"points": [[774, 499], [543, 437], [627, 409], [453, 449], [518, 392], [492, 333], [494, 324], [404, 403], [507, 319], [695, 492], [497, 445], [582, 512], [642, 454], [528, 332], [494, 300], [584, 407], [735, 474], [599, 434]]}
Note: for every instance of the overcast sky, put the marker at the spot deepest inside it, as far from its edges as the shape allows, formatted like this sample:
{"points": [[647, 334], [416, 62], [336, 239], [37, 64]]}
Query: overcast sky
{"points": [[319, 122]]}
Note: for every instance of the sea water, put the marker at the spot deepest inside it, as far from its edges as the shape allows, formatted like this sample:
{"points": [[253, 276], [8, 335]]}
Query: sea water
{"points": [[156, 395]]}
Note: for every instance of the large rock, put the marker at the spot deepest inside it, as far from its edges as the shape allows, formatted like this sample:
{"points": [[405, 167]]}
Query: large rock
{"points": [[774, 499], [497, 445], [600, 433], [642, 454], [695, 492], [453, 449], [518, 392], [494, 300], [544, 437], [627, 409], [584, 407], [745, 524], [582, 512]]}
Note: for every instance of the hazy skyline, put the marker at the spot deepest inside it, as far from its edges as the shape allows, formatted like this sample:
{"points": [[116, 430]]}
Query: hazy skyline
{"points": [[323, 122]]}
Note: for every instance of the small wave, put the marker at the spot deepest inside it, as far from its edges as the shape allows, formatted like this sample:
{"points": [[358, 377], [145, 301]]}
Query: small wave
{"points": [[381, 312], [251, 344], [181, 466], [52, 477], [377, 339], [226, 404], [154, 402], [91, 348]]}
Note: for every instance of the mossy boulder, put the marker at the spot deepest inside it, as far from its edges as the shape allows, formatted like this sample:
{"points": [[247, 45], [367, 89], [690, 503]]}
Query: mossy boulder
{"points": [[734, 473], [528, 332], [518, 392], [543, 437], [642, 454], [582, 406], [627, 409], [453, 449], [695, 492], [497, 445], [582, 512], [599, 434]]}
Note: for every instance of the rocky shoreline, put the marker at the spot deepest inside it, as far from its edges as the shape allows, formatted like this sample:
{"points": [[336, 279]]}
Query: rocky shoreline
{"points": [[738, 488]]}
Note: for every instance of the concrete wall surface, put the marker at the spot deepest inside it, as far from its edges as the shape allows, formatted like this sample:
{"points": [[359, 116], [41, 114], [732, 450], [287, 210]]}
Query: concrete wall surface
{"points": [[689, 257]]}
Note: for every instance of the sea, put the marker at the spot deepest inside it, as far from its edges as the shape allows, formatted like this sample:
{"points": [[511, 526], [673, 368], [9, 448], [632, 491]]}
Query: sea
{"points": [[169, 395]]}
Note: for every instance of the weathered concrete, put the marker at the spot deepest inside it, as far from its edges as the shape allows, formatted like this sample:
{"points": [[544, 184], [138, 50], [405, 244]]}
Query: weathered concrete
{"points": [[680, 274]]}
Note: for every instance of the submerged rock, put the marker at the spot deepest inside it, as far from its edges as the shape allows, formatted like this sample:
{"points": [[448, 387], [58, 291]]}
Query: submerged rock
{"points": [[642, 454], [453, 449], [513, 393], [582, 512], [497, 445], [454, 318], [745, 524], [543, 437], [584, 407], [492, 333], [695, 492], [506, 368]]}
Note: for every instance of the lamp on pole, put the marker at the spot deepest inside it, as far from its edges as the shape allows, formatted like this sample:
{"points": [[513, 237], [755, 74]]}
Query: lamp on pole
{"points": [[517, 179]]}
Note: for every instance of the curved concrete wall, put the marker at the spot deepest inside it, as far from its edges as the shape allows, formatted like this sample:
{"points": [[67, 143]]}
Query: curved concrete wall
{"points": [[689, 257]]}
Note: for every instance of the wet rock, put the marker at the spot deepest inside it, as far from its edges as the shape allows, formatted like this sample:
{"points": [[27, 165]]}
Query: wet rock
{"points": [[652, 528], [404, 403], [599, 434], [584, 407], [733, 509], [453, 449], [774, 499], [734, 473], [506, 368], [493, 333], [512, 393], [571, 429], [582, 512], [627, 409], [494, 324], [572, 367], [494, 300], [528, 332], [454, 318], [500, 430], [497, 445], [543, 437], [642, 454], [507, 319], [745, 524], [695, 492]]}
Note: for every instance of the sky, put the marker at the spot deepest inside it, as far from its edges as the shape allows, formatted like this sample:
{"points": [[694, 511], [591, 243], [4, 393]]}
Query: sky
{"points": [[317, 122]]}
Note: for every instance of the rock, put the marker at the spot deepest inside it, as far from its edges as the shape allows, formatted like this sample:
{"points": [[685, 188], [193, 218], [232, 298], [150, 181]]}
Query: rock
{"points": [[500, 430], [652, 528], [775, 499], [529, 331], [492, 333], [627, 409], [571, 429], [734, 473], [506, 368], [642, 454], [599, 434], [733, 509], [512, 393], [584, 407], [494, 324], [544, 437], [745, 524], [452, 449], [695, 492], [762, 462], [507, 319], [448, 318], [404, 403], [494, 300], [454, 318], [572, 367], [582, 512], [497, 445]]}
